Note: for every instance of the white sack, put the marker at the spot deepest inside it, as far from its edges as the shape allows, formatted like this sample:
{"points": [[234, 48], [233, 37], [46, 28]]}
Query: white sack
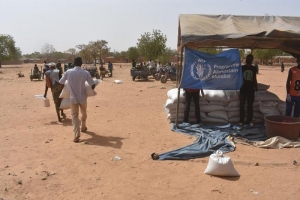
{"points": [[212, 108], [220, 165], [218, 114], [215, 95], [65, 104], [282, 107], [232, 95], [262, 87], [118, 81], [266, 96], [269, 108], [89, 91], [235, 103]]}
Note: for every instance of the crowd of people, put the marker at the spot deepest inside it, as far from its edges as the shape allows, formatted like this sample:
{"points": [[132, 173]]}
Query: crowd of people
{"points": [[77, 76]]}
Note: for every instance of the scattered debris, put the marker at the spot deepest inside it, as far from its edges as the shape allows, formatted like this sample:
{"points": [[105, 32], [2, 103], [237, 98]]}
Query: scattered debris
{"points": [[253, 192], [163, 88], [116, 158], [216, 191], [98, 179], [294, 162], [256, 164], [6, 166]]}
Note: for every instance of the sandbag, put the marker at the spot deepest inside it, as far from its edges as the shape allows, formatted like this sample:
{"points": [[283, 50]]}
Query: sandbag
{"points": [[269, 108], [220, 165], [282, 107], [232, 114], [221, 103], [235, 103], [89, 91], [215, 95], [262, 87], [173, 95], [218, 114], [65, 104], [266, 96], [212, 108], [232, 95]]}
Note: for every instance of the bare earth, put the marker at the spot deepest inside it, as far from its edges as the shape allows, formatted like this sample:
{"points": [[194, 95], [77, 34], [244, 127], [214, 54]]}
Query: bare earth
{"points": [[40, 161]]}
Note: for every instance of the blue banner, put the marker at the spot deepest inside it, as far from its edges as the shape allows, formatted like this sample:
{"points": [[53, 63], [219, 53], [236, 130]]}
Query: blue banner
{"points": [[222, 71]]}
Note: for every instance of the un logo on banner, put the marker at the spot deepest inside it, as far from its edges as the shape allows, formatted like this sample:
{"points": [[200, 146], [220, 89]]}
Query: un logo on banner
{"points": [[200, 70]]}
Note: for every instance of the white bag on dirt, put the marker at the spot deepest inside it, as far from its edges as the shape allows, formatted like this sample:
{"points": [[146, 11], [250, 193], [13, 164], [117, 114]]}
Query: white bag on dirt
{"points": [[118, 82], [65, 104], [220, 165]]}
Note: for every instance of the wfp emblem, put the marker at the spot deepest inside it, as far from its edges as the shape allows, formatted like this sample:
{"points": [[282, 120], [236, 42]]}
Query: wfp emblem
{"points": [[200, 71]]}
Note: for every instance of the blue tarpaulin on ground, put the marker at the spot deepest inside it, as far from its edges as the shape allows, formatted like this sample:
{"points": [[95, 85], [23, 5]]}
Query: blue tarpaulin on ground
{"points": [[210, 139]]}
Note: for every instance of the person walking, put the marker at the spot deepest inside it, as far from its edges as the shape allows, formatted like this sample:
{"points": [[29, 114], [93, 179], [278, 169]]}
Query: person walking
{"points": [[52, 78], [247, 91], [46, 68], [293, 91], [76, 78], [282, 67], [110, 67], [189, 95]]}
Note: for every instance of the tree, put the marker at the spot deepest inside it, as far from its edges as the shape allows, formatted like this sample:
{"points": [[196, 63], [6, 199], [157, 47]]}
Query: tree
{"points": [[84, 52], [164, 58], [35, 54], [152, 45], [267, 54], [48, 50], [98, 49], [132, 53], [72, 51], [8, 50]]}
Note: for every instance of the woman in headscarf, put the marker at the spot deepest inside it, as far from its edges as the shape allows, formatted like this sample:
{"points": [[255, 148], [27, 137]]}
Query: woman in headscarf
{"points": [[52, 81]]}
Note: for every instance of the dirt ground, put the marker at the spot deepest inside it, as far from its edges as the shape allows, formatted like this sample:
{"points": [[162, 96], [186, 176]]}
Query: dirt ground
{"points": [[39, 159]]}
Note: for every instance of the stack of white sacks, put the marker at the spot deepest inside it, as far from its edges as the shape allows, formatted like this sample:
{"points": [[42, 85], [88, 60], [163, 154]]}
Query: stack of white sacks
{"points": [[223, 106]]}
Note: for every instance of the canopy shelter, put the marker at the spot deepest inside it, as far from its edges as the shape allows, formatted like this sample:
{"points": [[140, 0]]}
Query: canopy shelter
{"points": [[230, 31], [247, 32]]}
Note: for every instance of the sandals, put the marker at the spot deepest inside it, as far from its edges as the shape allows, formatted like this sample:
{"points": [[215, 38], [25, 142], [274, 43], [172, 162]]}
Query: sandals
{"points": [[76, 140], [84, 129]]}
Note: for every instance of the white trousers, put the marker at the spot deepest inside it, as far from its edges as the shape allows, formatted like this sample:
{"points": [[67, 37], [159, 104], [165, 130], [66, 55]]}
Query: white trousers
{"points": [[75, 118]]}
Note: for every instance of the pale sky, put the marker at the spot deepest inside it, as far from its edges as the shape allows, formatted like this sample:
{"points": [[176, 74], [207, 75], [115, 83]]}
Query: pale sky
{"points": [[67, 23]]}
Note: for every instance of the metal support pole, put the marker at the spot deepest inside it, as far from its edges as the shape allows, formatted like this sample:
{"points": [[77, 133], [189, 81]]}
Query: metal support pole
{"points": [[178, 94]]}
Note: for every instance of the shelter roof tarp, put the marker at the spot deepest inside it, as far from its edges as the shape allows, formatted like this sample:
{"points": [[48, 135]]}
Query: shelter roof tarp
{"points": [[253, 32]]}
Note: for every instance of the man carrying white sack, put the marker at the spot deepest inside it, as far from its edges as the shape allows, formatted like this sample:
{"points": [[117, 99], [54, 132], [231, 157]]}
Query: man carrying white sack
{"points": [[76, 78]]}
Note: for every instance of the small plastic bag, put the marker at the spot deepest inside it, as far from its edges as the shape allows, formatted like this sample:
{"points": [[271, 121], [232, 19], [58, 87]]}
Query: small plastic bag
{"points": [[220, 165], [46, 102]]}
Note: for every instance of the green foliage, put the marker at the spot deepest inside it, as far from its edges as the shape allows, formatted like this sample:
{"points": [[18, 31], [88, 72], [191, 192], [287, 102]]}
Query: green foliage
{"points": [[84, 52], [98, 49], [35, 54], [152, 45], [8, 50], [132, 53], [164, 58], [267, 54]]}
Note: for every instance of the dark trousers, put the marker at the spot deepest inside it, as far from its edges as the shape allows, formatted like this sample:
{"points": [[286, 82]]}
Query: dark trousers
{"points": [[188, 98], [249, 96]]}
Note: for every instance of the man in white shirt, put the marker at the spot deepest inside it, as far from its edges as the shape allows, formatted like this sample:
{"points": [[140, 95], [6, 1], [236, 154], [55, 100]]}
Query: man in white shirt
{"points": [[76, 79]]}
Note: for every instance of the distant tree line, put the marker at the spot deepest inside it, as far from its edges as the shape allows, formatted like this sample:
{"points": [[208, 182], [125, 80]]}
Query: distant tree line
{"points": [[149, 46]]}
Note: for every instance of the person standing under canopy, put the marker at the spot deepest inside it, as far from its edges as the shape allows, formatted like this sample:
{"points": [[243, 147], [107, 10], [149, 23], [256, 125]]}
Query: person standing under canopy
{"points": [[293, 91], [247, 91]]}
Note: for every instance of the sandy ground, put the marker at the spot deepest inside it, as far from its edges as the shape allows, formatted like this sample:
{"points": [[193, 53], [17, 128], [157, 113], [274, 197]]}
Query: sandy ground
{"points": [[40, 161]]}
